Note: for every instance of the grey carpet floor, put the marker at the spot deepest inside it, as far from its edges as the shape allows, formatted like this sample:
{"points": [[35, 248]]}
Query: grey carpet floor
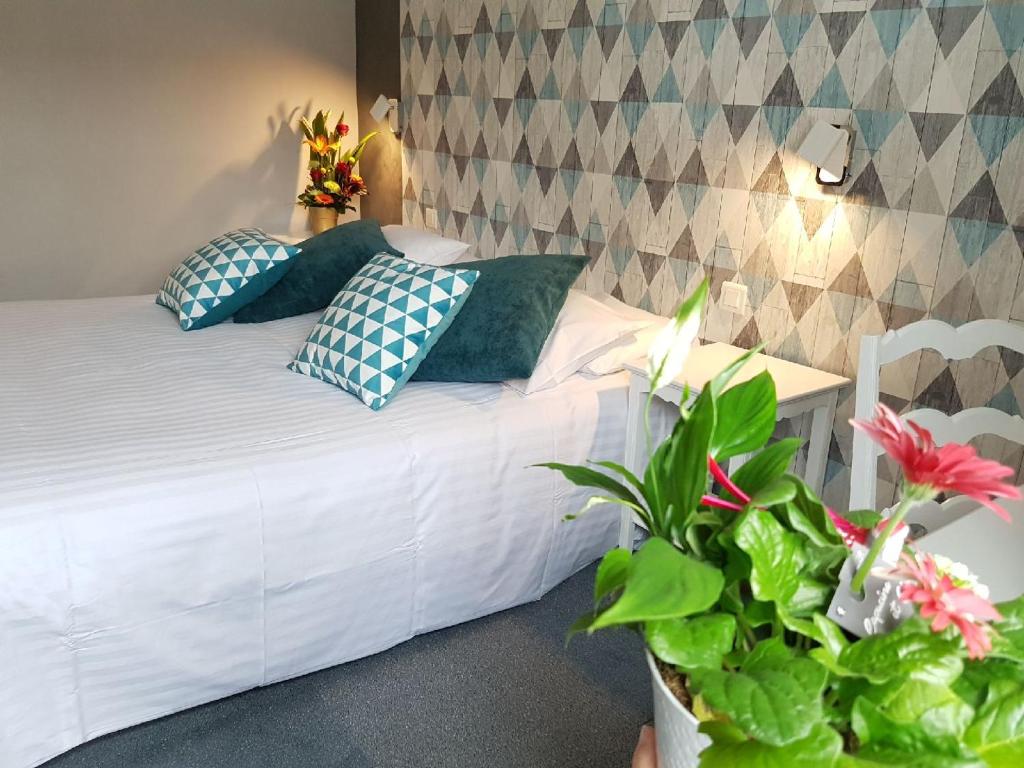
{"points": [[499, 692]]}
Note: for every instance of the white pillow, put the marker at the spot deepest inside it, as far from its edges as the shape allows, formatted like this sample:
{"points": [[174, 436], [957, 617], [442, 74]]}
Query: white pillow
{"points": [[584, 329], [631, 348], [424, 247]]}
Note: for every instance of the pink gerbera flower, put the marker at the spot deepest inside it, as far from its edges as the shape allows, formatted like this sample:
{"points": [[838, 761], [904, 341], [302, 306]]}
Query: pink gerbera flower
{"points": [[930, 470], [944, 602]]}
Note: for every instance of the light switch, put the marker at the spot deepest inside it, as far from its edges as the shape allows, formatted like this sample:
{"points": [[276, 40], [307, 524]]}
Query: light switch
{"points": [[734, 297], [430, 217]]}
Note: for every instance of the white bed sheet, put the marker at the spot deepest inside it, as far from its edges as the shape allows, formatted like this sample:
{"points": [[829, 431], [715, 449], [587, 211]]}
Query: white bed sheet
{"points": [[182, 518]]}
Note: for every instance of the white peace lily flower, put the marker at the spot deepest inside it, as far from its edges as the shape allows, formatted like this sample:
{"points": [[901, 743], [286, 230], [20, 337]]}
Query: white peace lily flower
{"points": [[669, 350], [671, 347]]}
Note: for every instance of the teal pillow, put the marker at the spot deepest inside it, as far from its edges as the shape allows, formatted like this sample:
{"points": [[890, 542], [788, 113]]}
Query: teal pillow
{"points": [[378, 329], [328, 261], [223, 276], [498, 335]]}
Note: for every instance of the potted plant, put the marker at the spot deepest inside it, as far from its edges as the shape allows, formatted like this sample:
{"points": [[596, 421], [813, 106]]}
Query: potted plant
{"points": [[739, 594], [332, 176]]}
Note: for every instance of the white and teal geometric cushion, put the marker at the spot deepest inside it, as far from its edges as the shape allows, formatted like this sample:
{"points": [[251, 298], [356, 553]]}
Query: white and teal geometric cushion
{"points": [[223, 276], [378, 329]]}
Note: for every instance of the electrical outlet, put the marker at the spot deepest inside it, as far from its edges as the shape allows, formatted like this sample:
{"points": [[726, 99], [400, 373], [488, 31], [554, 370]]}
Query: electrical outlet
{"points": [[430, 217], [734, 297]]}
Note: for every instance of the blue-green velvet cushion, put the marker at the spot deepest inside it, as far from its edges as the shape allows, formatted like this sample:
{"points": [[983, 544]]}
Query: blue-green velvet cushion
{"points": [[498, 335], [328, 261], [379, 328], [223, 276]]}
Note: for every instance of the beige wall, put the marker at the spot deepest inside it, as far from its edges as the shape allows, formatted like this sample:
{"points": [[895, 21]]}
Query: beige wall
{"points": [[132, 131]]}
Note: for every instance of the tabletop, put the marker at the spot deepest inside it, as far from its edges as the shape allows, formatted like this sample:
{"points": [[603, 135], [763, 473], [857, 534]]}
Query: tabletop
{"points": [[792, 380]]}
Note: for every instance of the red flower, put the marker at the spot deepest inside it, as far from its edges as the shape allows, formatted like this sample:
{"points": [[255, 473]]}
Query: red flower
{"points": [[941, 600], [317, 175], [342, 129], [342, 171], [931, 469]]}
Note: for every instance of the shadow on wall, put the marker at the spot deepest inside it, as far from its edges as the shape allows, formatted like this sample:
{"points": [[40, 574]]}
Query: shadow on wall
{"points": [[259, 191]]}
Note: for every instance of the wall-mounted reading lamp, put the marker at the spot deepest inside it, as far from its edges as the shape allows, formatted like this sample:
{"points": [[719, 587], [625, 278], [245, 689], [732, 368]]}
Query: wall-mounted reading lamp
{"points": [[386, 108], [828, 147]]}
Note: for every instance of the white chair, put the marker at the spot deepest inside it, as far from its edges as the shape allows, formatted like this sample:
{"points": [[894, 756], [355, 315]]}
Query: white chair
{"points": [[953, 344], [957, 527]]}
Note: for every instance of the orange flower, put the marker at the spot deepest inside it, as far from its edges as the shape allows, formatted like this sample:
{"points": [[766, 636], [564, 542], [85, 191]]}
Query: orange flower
{"points": [[324, 199], [322, 145]]}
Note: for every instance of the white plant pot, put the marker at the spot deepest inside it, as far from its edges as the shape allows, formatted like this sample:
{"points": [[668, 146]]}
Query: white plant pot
{"points": [[679, 741]]}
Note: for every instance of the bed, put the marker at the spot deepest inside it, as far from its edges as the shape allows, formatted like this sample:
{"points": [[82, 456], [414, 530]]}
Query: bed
{"points": [[182, 518]]}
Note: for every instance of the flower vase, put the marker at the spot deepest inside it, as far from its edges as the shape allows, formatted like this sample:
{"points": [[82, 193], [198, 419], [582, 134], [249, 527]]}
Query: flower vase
{"points": [[322, 219], [679, 741]]}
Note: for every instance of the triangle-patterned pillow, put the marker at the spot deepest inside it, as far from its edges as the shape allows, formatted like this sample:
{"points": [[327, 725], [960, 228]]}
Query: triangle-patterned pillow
{"points": [[223, 276], [378, 329]]}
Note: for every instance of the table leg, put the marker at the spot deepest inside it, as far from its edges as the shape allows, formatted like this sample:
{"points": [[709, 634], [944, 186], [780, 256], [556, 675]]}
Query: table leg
{"points": [[634, 452], [822, 419]]}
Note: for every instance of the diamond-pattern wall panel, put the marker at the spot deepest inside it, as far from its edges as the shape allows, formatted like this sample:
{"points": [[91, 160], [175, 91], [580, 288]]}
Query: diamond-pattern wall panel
{"points": [[658, 138]]}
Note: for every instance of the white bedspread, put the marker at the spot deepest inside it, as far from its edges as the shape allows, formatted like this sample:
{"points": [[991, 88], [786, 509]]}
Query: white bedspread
{"points": [[182, 518]]}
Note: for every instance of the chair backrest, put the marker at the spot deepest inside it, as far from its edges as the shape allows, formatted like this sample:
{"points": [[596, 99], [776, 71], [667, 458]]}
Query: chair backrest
{"points": [[952, 343]]}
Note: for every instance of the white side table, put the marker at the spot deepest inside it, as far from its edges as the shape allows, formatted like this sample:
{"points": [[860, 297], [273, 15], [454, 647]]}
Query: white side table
{"points": [[799, 388]]}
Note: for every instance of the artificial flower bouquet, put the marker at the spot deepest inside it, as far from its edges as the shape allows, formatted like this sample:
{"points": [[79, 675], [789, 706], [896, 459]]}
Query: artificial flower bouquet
{"points": [[332, 176], [739, 593]]}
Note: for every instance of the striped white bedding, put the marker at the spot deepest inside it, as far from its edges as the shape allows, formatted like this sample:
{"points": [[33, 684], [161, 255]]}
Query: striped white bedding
{"points": [[182, 518]]}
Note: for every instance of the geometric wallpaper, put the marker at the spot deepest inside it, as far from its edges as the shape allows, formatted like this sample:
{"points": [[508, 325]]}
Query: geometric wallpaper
{"points": [[658, 137]]}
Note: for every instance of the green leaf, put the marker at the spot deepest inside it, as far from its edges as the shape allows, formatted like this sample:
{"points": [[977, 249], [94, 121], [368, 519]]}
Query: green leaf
{"points": [[746, 417], [863, 518], [801, 523], [776, 556], [973, 685], [320, 123], [773, 703], [585, 477], [663, 583], [767, 654], [818, 749], [830, 635], [810, 596], [611, 573], [692, 643], [582, 624], [655, 479], [599, 501], [778, 491], [825, 562], [766, 466], [997, 734], [815, 513], [357, 153], [758, 614], [882, 739], [628, 476], [934, 707], [1009, 635], [718, 383], [910, 650], [687, 459], [722, 732]]}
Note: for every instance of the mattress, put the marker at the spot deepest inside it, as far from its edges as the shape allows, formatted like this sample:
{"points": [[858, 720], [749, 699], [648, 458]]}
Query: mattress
{"points": [[182, 518]]}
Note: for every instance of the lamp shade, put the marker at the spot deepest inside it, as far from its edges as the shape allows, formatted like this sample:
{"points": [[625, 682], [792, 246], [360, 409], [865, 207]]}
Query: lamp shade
{"points": [[826, 147], [380, 108]]}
